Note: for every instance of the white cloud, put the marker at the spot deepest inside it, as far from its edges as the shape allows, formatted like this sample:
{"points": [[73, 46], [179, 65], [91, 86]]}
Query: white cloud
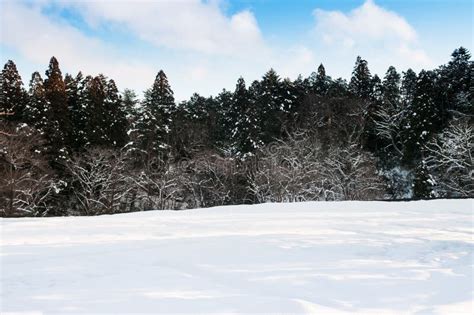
{"points": [[371, 31], [37, 38], [191, 25]]}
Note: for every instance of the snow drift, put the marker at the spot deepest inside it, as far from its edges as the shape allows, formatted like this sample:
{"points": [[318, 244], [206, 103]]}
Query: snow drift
{"points": [[315, 257]]}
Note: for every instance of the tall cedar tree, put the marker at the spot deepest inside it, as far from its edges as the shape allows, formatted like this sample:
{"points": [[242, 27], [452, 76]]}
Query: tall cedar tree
{"points": [[456, 84], [154, 121], [75, 92], [242, 119], [13, 95], [116, 116], [360, 84], [59, 125], [423, 116], [38, 108], [269, 103]]}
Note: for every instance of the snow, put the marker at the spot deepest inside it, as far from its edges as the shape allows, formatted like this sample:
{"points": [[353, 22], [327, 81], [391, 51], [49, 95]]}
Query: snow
{"points": [[315, 257]]}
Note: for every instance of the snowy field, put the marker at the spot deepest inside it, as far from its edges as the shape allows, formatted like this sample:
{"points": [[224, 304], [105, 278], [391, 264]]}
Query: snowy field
{"points": [[318, 258]]}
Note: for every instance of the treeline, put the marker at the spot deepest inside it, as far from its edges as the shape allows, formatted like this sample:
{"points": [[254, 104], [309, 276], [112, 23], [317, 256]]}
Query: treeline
{"points": [[75, 145]]}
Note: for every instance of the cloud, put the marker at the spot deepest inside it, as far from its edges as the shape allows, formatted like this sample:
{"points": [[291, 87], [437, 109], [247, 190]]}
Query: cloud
{"points": [[371, 30], [37, 38], [191, 25]]}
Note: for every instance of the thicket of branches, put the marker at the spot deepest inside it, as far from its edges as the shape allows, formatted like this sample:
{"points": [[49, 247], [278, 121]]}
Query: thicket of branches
{"points": [[75, 145]]}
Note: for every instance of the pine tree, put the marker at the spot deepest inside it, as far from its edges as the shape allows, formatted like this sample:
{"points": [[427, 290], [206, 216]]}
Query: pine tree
{"points": [[13, 97], [96, 115], [321, 85], [423, 183], [408, 87], [75, 98], [59, 123], [129, 103], [456, 83], [269, 100], [244, 120], [116, 124], [375, 102], [423, 116], [360, 84], [391, 88], [37, 112], [154, 121]]}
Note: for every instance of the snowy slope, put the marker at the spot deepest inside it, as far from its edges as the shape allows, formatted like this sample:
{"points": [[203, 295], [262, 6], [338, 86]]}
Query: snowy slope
{"points": [[324, 258]]}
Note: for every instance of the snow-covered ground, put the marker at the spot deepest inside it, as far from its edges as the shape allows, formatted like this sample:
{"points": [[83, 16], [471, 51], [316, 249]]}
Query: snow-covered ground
{"points": [[320, 258]]}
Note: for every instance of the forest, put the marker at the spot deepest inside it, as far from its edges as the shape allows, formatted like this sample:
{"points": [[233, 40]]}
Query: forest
{"points": [[76, 145]]}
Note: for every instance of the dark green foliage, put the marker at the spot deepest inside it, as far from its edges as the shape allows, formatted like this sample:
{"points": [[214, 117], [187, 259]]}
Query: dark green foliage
{"points": [[154, 120], [361, 83], [37, 111], [423, 116], [58, 128], [13, 96]]}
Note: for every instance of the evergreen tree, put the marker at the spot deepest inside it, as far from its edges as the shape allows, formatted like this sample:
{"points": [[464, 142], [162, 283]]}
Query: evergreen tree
{"points": [[95, 113], [408, 87], [74, 92], [360, 84], [244, 134], [13, 96], [321, 85], [116, 119], [456, 83], [129, 103], [154, 121], [423, 116], [59, 123], [38, 106], [391, 88], [269, 100], [423, 184], [370, 134]]}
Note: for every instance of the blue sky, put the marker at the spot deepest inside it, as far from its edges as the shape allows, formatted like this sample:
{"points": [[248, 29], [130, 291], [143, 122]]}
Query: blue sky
{"points": [[204, 46]]}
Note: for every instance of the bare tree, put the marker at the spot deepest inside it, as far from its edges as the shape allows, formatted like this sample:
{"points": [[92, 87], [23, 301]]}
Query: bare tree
{"points": [[450, 158], [27, 181], [298, 169], [208, 180], [388, 126], [158, 185], [101, 182]]}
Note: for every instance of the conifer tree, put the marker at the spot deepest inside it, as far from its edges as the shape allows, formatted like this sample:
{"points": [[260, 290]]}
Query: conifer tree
{"points": [[38, 106], [423, 115], [116, 124], [75, 99], [154, 121], [456, 83], [59, 123], [13, 95], [408, 87], [129, 103], [391, 88], [321, 85], [360, 84], [269, 101], [244, 120]]}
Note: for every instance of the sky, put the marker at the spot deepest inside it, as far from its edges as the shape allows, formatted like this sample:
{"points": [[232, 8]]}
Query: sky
{"points": [[206, 45]]}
